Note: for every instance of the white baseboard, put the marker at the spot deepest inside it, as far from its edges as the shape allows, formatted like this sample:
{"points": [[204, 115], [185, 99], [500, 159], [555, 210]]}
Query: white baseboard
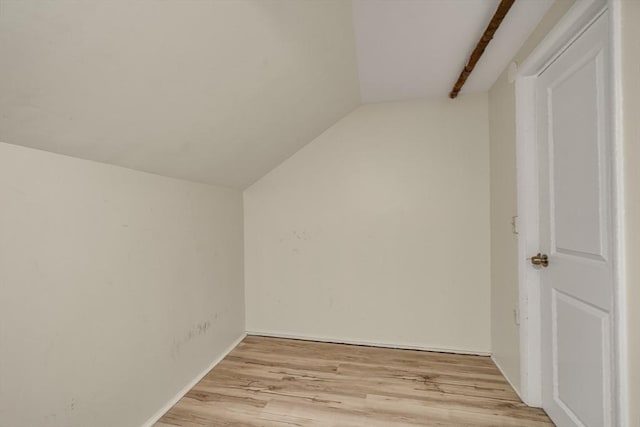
{"points": [[506, 377], [154, 419], [366, 343]]}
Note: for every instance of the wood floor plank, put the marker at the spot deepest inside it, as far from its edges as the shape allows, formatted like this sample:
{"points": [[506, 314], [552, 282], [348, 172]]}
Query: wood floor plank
{"points": [[280, 382]]}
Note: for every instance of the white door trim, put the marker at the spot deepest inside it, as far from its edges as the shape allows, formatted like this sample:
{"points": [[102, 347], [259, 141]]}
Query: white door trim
{"points": [[575, 21]]}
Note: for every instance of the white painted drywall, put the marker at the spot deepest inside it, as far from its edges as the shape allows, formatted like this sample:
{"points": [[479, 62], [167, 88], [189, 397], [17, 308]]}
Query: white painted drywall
{"points": [[505, 337], [211, 91], [505, 334], [378, 230], [117, 288], [631, 99]]}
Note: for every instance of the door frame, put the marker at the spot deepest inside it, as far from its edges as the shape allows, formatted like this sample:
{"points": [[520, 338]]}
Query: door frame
{"points": [[582, 14]]}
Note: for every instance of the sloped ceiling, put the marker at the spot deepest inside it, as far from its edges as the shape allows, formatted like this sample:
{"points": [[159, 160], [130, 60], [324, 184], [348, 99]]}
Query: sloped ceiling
{"points": [[221, 92], [206, 90], [417, 48]]}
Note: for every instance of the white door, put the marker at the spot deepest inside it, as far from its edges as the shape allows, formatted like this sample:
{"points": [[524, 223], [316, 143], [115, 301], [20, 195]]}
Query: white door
{"points": [[573, 132]]}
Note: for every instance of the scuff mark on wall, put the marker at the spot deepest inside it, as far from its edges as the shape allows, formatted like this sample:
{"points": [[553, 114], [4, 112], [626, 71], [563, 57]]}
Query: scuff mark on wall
{"points": [[70, 407], [301, 235], [198, 330], [294, 238]]}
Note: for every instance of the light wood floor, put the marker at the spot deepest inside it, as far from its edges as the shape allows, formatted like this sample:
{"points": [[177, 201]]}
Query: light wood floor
{"points": [[279, 382]]}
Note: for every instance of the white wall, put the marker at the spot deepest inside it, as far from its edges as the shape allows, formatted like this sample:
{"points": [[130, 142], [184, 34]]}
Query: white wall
{"points": [[116, 288], [378, 230], [631, 98], [505, 334]]}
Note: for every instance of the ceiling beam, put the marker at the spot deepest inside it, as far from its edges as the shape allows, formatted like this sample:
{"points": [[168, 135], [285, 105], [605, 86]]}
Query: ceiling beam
{"points": [[501, 12]]}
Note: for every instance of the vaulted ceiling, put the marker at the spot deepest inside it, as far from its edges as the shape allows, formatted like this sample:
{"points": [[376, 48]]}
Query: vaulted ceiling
{"points": [[223, 91], [417, 48]]}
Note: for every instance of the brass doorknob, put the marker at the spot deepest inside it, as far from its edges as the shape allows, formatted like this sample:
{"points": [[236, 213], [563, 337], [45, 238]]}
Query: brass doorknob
{"points": [[540, 259]]}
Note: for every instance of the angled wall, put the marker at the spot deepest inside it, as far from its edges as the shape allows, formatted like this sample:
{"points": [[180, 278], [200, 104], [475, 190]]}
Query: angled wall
{"points": [[377, 231], [211, 91], [117, 288]]}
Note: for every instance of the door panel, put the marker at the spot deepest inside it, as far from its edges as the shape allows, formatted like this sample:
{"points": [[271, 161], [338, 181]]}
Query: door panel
{"points": [[576, 161], [577, 379], [575, 226]]}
